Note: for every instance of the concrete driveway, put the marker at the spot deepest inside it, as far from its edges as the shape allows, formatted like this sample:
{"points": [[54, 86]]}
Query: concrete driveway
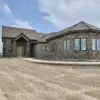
{"points": [[22, 80]]}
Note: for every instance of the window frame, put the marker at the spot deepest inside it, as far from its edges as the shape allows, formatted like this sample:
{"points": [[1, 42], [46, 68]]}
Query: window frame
{"points": [[96, 44], [80, 48], [66, 45], [85, 44], [53, 47], [75, 44], [44, 47]]}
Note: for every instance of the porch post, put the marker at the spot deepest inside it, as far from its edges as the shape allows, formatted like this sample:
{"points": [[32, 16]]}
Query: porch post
{"points": [[14, 54], [28, 49]]}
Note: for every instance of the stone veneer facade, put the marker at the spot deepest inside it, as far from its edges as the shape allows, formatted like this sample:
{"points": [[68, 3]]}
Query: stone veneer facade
{"points": [[10, 48], [51, 47], [72, 54]]}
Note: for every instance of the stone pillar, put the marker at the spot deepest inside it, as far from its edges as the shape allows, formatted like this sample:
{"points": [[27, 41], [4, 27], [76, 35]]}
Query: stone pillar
{"points": [[28, 49], [89, 45], [14, 51]]}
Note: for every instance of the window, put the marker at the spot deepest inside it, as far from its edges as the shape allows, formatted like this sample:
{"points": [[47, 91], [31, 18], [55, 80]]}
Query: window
{"points": [[95, 44], [77, 44], [80, 44], [98, 44], [83, 44], [44, 47], [67, 45], [53, 47]]}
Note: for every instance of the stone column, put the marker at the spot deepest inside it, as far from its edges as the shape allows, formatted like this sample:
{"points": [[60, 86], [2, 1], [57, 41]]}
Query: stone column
{"points": [[14, 51], [28, 49], [89, 45]]}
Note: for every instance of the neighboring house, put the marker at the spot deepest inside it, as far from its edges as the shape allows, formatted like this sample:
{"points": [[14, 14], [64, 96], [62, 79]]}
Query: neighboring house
{"points": [[80, 41]]}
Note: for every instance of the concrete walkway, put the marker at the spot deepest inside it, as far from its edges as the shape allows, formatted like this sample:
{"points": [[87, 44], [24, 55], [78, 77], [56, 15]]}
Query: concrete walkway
{"points": [[72, 63]]}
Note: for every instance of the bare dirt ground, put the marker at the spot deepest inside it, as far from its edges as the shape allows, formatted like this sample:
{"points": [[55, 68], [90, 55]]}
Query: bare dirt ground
{"points": [[22, 80]]}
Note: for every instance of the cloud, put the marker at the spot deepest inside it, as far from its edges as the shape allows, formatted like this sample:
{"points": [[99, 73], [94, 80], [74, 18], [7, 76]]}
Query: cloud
{"points": [[10, 16], [22, 24], [7, 10], [63, 13]]}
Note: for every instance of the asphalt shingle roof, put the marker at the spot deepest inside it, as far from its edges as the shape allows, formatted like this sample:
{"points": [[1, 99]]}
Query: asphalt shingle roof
{"points": [[81, 26], [77, 27], [12, 32], [33, 35]]}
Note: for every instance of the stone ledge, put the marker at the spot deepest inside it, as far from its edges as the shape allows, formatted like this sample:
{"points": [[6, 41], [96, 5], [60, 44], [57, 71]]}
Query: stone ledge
{"points": [[72, 63]]}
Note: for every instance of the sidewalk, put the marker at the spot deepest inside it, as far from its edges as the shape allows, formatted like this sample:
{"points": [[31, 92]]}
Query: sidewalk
{"points": [[72, 63]]}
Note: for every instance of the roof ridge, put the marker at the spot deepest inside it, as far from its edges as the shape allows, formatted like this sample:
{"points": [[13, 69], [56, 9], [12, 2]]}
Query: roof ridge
{"points": [[86, 24], [12, 32], [73, 25], [90, 25], [19, 28]]}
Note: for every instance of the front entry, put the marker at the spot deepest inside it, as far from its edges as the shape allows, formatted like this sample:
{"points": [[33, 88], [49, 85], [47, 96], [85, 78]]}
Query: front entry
{"points": [[20, 51], [21, 47]]}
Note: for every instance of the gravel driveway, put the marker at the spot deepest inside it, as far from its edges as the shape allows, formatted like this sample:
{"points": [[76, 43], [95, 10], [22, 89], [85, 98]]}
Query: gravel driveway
{"points": [[22, 80]]}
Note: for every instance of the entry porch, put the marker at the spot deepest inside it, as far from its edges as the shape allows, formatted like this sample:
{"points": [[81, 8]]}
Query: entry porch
{"points": [[21, 46]]}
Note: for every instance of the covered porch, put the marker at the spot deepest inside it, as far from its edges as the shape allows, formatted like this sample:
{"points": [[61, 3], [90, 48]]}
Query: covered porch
{"points": [[21, 46]]}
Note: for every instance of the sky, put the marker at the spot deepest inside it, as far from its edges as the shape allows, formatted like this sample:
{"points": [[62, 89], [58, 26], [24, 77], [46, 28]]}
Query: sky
{"points": [[48, 15]]}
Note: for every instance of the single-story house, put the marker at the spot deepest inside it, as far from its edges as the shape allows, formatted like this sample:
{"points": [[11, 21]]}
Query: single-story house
{"points": [[80, 41]]}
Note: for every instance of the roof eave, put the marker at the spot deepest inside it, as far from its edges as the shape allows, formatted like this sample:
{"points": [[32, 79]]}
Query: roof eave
{"points": [[66, 33]]}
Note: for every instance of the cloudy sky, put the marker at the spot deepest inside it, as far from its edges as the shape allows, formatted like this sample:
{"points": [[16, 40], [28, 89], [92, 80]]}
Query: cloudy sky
{"points": [[48, 15]]}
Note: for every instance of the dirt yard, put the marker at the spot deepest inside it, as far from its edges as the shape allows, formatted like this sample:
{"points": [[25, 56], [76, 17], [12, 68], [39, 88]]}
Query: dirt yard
{"points": [[22, 80]]}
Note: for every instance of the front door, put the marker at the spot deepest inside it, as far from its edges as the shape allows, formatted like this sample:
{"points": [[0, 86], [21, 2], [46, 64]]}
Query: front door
{"points": [[20, 51]]}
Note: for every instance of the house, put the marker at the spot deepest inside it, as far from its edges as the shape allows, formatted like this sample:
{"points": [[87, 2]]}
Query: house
{"points": [[80, 41], [17, 41]]}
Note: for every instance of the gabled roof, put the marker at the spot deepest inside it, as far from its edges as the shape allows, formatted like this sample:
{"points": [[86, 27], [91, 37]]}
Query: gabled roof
{"points": [[21, 36], [81, 26], [47, 36], [12, 32]]}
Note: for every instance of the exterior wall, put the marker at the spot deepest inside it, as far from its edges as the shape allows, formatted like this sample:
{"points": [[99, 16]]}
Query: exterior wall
{"points": [[7, 43], [10, 48], [39, 51], [10, 33], [43, 50], [72, 54]]}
